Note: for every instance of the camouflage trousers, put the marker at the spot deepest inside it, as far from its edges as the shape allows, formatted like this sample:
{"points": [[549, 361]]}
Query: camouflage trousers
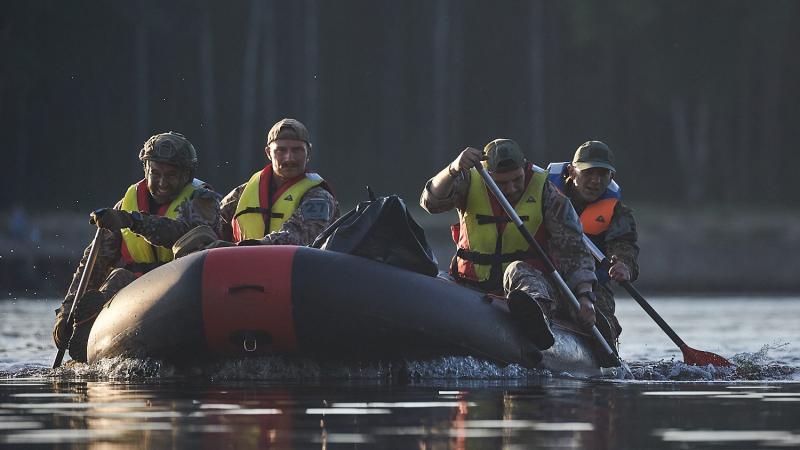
{"points": [[85, 313], [520, 275], [606, 305], [117, 279]]}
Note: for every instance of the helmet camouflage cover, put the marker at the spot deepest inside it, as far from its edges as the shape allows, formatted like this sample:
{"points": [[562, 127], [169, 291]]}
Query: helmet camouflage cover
{"points": [[171, 148]]}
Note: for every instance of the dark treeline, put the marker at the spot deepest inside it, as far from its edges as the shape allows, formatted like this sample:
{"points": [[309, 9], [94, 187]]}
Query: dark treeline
{"points": [[700, 100]]}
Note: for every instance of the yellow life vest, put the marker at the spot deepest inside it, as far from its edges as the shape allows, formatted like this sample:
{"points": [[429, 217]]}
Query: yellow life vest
{"points": [[254, 204], [478, 237], [136, 248]]}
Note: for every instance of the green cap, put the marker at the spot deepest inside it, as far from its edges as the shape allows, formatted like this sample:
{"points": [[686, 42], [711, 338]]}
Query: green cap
{"points": [[288, 129], [503, 155], [594, 154], [171, 148]]}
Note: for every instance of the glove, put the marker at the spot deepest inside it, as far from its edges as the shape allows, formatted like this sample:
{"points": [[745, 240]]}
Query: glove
{"points": [[111, 219], [249, 242], [62, 329]]}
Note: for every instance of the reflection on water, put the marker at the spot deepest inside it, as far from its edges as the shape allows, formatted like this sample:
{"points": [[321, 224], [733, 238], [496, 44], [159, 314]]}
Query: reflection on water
{"points": [[550, 413], [446, 402]]}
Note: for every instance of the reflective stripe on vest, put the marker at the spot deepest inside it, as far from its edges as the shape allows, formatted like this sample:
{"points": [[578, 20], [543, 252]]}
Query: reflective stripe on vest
{"points": [[254, 204], [478, 239], [135, 248]]}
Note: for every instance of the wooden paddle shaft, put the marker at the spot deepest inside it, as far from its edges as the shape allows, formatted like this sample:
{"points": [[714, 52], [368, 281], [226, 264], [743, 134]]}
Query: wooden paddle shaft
{"points": [[82, 285]]}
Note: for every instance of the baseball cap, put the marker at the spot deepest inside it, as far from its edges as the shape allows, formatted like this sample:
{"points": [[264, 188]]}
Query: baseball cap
{"points": [[288, 129], [594, 154], [503, 155]]}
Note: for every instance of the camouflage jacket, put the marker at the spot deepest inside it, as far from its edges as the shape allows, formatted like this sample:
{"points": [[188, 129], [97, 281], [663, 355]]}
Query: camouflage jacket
{"points": [[620, 238], [298, 229], [202, 208], [564, 246]]}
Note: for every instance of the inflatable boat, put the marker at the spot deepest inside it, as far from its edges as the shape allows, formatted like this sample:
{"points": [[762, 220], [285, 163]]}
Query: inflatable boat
{"points": [[262, 300]]}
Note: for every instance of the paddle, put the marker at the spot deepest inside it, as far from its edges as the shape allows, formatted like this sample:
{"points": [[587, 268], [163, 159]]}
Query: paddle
{"points": [[82, 285], [552, 272], [690, 355]]}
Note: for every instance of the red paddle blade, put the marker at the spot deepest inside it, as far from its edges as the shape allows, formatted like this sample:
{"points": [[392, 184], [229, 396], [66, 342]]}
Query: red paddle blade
{"points": [[701, 358]]}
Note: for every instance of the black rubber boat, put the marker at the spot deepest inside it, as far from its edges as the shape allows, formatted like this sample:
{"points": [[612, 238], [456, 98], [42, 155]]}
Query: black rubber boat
{"points": [[259, 300]]}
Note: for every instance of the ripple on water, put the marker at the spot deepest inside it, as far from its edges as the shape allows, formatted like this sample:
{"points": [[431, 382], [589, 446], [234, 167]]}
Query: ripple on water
{"points": [[748, 366]]}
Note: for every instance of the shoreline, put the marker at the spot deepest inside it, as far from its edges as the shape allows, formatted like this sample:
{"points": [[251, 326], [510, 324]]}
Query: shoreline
{"points": [[709, 251]]}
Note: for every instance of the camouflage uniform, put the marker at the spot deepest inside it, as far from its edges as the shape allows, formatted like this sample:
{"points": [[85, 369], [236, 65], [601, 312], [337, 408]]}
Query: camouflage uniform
{"points": [[109, 274], [298, 229], [620, 241], [564, 245]]}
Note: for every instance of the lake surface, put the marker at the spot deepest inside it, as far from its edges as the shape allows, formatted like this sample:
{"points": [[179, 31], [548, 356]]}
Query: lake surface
{"points": [[446, 403]]}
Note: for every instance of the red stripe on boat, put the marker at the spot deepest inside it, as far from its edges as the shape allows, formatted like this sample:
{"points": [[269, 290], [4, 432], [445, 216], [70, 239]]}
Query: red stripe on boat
{"points": [[248, 290]]}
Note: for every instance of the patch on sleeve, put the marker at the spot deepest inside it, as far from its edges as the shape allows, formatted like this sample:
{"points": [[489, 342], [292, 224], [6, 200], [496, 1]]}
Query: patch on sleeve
{"points": [[571, 219], [315, 209]]}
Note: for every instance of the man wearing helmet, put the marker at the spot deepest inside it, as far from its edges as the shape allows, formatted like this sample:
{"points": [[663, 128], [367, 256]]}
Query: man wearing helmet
{"points": [[138, 233], [283, 203]]}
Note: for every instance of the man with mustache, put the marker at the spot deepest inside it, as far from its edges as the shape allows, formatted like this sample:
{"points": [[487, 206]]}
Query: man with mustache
{"points": [[138, 233], [587, 181], [492, 254], [282, 204]]}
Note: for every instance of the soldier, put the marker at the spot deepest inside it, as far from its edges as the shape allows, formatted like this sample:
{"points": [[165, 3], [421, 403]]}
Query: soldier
{"points": [[283, 203], [588, 182], [492, 254], [138, 232]]}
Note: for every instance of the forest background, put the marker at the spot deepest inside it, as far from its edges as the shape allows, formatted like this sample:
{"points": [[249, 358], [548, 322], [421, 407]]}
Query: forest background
{"points": [[699, 100]]}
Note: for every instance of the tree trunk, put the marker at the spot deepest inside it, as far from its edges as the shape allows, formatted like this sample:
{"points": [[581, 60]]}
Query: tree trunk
{"points": [[269, 92], [249, 91], [769, 119], [692, 147], [455, 80], [536, 86], [21, 189], [142, 89], [737, 161], [393, 96], [441, 31], [311, 106], [209, 155]]}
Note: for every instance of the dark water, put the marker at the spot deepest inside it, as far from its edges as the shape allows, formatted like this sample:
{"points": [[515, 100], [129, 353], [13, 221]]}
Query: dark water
{"points": [[446, 403]]}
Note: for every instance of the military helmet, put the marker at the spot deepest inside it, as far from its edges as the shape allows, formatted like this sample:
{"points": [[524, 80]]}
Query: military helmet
{"points": [[171, 148]]}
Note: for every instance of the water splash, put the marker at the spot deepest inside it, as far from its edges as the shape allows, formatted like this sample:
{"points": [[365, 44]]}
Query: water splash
{"points": [[451, 367], [758, 366], [747, 366]]}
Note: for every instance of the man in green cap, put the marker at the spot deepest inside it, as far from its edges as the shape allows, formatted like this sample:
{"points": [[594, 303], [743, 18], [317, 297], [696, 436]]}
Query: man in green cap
{"points": [[138, 232], [588, 181], [492, 255], [283, 203]]}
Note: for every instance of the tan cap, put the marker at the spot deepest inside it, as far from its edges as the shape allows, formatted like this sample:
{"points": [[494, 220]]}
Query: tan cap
{"points": [[503, 155], [195, 239], [288, 129]]}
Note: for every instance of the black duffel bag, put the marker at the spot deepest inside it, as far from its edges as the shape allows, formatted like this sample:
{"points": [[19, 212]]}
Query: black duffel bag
{"points": [[381, 229]]}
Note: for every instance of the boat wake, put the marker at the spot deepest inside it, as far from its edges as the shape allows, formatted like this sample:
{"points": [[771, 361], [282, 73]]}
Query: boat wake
{"points": [[748, 366]]}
